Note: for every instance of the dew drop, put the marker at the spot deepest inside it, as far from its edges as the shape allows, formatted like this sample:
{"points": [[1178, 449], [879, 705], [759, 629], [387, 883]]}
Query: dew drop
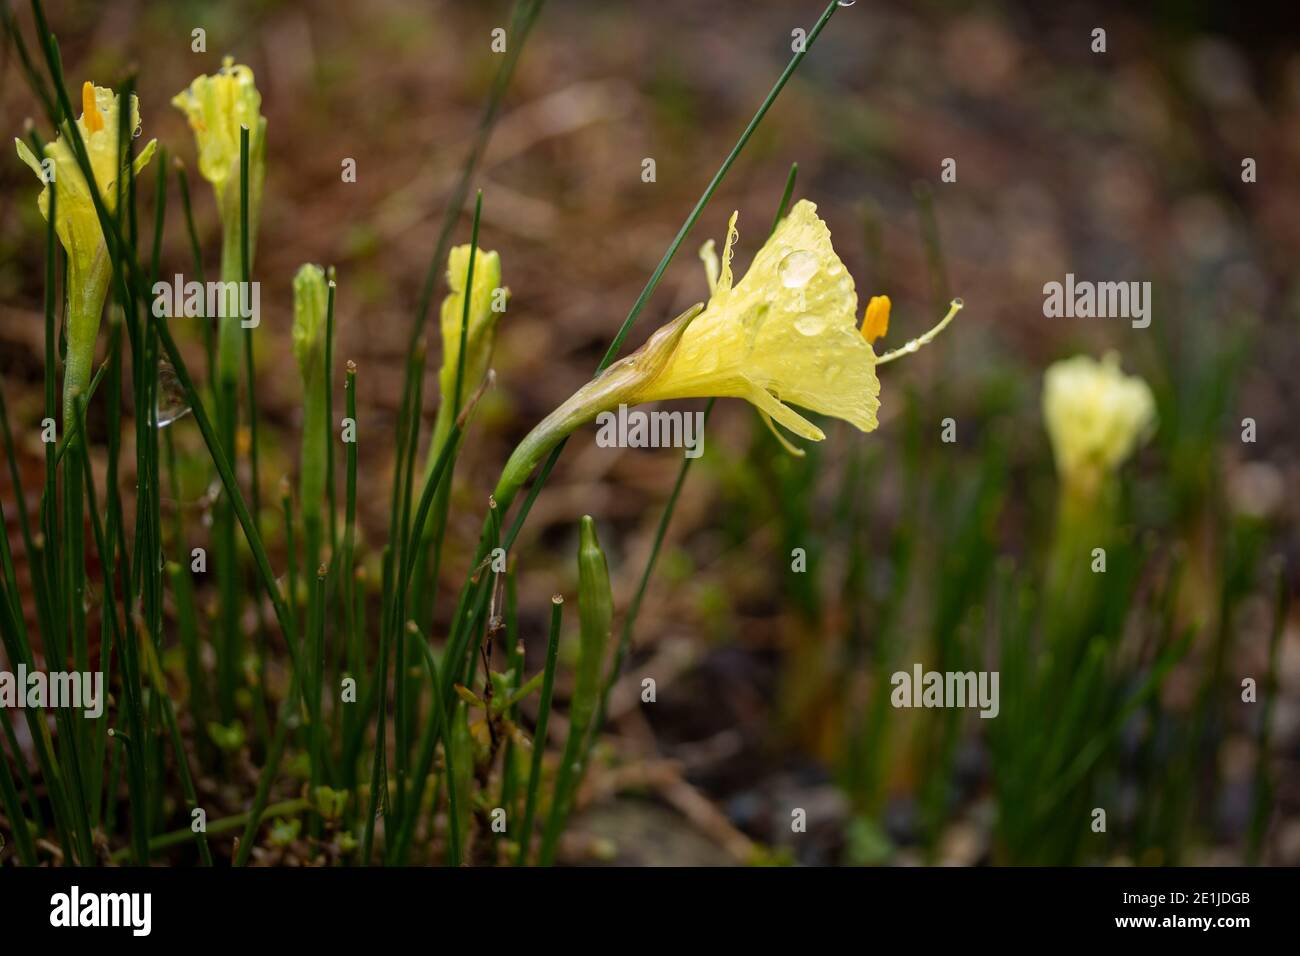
{"points": [[958, 302], [847, 3], [810, 324], [171, 397], [797, 268]]}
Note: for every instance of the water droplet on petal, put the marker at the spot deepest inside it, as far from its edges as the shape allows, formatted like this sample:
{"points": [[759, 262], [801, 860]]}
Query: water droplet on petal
{"points": [[171, 397], [810, 324], [797, 268]]}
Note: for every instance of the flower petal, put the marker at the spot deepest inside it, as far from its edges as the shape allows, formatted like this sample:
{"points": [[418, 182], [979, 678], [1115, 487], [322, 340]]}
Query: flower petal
{"points": [[143, 157], [27, 156], [784, 414], [788, 445], [728, 250]]}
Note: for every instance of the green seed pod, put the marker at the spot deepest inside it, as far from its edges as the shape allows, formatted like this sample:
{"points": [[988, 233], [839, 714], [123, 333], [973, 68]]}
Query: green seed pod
{"points": [[596, 615], [595, 619]]}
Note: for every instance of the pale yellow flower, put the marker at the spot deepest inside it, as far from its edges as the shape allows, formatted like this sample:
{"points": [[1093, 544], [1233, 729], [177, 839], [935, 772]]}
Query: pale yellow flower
{"points": [[77, 222], [1096, 417], [784, 335], [480, 334], [217, 106], [487, 301]]}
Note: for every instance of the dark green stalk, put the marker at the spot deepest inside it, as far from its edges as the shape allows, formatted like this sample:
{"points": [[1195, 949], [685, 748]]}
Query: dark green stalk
{"points": [[328, 423], [347, 572], [468, 297], [453, 815], [209, 334], [402, 716], [246, 276], [318, 679], [539, 734], [291, 577], [515, 667]]}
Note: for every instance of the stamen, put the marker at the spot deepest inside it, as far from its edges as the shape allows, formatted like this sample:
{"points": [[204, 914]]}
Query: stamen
{"points": [[875, 325], [90, 113], [788, 445]]}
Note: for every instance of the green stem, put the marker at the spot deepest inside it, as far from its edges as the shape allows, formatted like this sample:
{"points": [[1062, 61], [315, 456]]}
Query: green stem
{"points": [[539, 734]]}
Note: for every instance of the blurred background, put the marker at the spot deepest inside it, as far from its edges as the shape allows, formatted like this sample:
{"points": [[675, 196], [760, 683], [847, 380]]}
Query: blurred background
{"points": [[772, 686]]}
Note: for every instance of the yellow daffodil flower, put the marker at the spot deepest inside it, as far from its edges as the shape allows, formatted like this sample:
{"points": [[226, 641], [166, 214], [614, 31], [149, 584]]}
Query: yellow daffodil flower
{"points": [[1096, 416], [486, 306], [76, 221], [480, 334], [786, 334], [217, 107]]}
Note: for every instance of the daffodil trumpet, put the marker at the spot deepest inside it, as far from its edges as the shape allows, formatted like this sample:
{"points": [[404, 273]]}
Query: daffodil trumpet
{"points": [[785, 334], [76, 220]]}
